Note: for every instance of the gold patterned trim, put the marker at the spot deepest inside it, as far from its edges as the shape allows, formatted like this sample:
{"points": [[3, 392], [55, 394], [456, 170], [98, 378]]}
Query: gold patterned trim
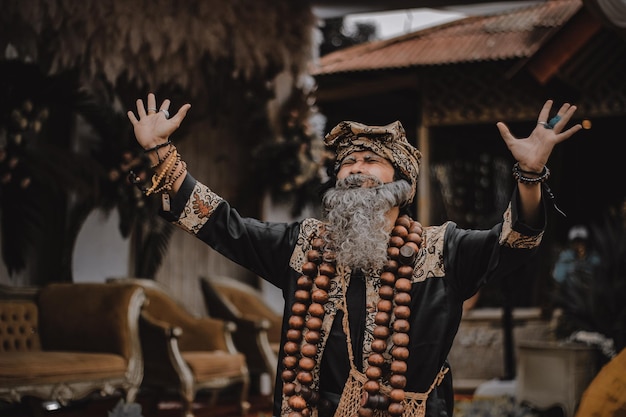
{"points": [[201, 204], [514, 239]]}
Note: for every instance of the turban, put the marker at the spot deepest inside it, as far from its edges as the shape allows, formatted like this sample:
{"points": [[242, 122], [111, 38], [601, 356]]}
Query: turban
{"points": [[388, 141]]}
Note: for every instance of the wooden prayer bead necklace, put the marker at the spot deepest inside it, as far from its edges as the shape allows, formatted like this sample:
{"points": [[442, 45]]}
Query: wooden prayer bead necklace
{"points": [[312, 294]]}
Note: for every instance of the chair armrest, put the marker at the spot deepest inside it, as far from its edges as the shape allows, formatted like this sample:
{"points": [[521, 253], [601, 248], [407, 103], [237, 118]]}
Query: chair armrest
{"points": [[207, 333]]}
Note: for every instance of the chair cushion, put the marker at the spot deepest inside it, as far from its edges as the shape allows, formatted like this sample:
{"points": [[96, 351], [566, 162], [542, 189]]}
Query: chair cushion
{"points": [[20, 368], [208, 365]]}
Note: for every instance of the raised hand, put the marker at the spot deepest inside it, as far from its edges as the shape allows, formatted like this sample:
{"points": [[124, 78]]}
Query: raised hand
{"points": [[154, 126], [533, 152]]}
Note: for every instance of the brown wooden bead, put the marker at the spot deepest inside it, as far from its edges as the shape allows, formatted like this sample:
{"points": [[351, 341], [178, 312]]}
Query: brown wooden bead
{"points": [[373, 372], [305, 378], [317, 243], [309, 350], [319, 296], [328, 270], [382, 318], [407, 254], [405, 271], [291, 348], [381, 332], [306, 412], [314, 256], [376, 359], [366, 412], [393, 252], [294, 335], [297, 403], [303, 296], [403, 221], [397, 381], [312, 336], [295, 414], [400, 353], [306, 363], [402, 312], [371, 386], [395, 409], [390, 266], [323, 282], [401, 325], [402, 298], [398, 367], [388, 278], [415, 238], [288, 375], [386, 292], [316, 310], [298, 309], [396, 241], [314, 323], [416, 227], [412, 245], [296, 322], [305, 282], [289, 388], [397, 395], [403, 284], [377, 401], [309, 269], [379, 345], [401, 231], [385, 305], [400, 339], [290, 362]]}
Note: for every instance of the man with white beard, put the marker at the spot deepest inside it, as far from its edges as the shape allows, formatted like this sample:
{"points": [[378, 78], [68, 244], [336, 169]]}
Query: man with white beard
{"points": [[373, 300]]}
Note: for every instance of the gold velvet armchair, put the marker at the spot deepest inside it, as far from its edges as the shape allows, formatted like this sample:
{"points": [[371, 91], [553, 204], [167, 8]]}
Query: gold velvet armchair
{"points": [[64, 341], [186, 353], [258, 325]]}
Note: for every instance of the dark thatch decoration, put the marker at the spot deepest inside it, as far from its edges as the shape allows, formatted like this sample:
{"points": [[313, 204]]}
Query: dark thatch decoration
{"points": [[83, 64], [158, 42]]}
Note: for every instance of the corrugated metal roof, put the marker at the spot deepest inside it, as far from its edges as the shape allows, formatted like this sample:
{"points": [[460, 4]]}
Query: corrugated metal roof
{"points": [[513, 34]]}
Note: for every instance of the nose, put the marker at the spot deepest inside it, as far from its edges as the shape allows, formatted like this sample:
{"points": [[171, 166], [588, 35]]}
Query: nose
{"points": [[357, 166]]}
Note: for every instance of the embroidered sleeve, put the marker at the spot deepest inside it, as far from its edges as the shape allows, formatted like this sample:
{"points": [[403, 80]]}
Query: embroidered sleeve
{"points": [[309, 229], [429, 262], [512, 238], [198, 208]]}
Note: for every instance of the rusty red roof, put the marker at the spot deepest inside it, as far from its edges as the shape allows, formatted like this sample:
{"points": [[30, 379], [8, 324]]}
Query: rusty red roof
{"points": [[517, 33]]}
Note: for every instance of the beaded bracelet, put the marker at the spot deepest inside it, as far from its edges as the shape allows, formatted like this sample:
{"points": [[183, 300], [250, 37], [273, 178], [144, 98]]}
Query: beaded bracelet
{"points": [[156, 149], [519, 176], [167, 155]]}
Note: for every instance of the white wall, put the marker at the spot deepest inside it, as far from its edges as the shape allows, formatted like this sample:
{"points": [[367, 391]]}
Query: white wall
{"points": [[100, 250]]}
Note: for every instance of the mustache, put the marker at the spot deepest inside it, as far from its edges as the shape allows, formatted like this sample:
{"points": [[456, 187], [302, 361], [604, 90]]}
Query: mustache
{"points": [[357, 181]]}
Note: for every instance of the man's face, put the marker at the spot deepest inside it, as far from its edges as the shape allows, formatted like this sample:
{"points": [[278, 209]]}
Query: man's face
{"points": [[368, 163]]}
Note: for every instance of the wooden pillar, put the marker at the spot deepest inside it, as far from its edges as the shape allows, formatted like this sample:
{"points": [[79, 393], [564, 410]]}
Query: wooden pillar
{"points": [[423, 186]]}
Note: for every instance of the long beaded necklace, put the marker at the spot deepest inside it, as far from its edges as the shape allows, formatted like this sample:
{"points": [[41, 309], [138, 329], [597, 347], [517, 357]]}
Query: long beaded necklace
{"points": [[307, 314]]}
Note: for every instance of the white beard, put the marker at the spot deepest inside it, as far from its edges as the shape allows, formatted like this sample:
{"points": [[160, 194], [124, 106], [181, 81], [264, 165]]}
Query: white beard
{"points": [[356, 214]]}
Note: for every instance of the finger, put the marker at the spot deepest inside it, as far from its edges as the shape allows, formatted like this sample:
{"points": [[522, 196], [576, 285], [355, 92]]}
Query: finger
{"points": [[165, 105], [565, 113], [181, 113], [151, 101], [505, 132], [141, 110], [568, 133], [545, 111], [132, 117]]}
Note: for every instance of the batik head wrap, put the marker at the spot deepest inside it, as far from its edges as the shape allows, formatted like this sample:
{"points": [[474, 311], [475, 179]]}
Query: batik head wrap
{"points": [[388, 141]]}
